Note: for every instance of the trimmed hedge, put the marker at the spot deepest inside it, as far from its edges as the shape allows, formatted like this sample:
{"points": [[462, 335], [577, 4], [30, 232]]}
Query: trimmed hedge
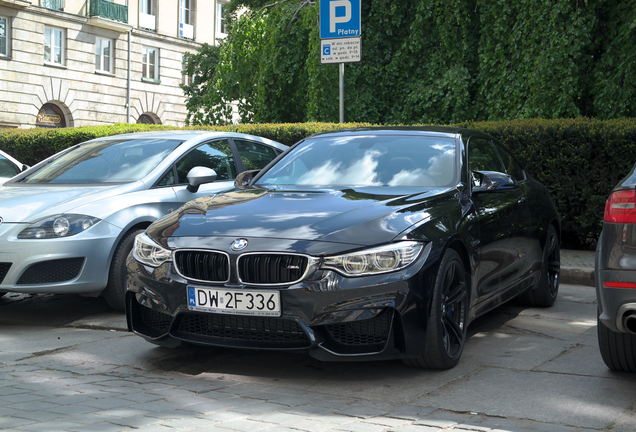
{"points": [[579, 160]]}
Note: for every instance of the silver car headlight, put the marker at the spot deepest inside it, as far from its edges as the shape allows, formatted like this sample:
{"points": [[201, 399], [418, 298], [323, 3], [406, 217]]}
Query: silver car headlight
{"points": [[148, 252], [382, 259], [58, 226]]}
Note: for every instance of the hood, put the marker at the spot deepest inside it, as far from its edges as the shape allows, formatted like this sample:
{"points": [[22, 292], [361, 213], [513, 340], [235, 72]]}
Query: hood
{"points": [[28, 203], [363, 216]]}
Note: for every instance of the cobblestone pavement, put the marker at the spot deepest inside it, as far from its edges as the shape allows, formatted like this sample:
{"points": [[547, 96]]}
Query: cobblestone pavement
{"points": [[66, 364]]}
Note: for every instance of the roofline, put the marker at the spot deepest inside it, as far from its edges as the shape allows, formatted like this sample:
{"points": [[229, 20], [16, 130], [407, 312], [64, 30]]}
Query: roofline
{"points": [[404, 130]]}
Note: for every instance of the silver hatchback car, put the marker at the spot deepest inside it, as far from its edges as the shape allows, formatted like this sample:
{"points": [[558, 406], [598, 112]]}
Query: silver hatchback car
{"points": [[68, 223]]}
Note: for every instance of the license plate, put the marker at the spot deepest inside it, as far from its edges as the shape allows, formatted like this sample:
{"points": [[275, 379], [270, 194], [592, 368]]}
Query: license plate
{"points": [[234, 302]]}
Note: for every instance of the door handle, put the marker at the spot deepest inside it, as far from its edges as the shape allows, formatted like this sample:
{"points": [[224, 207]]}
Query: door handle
{"points": [[521, 200]]}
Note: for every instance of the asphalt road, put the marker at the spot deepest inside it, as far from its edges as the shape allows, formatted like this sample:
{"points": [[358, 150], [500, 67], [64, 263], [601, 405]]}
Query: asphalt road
{"points": [[67, 364]]}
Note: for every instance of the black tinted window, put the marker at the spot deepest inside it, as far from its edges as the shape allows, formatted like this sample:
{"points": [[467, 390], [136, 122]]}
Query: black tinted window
{"points": [[482, 156], [254, 155], [512, 167], [216, 155], [7, 168]]}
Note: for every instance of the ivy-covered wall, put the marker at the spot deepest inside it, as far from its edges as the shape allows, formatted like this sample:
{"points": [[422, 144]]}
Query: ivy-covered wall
{"points": [[426, 61]]}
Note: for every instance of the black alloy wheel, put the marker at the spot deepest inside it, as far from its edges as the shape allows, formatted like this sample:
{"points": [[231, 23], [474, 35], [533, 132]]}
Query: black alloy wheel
{"points": [[453, 309], [546, 290], [447, 322]]}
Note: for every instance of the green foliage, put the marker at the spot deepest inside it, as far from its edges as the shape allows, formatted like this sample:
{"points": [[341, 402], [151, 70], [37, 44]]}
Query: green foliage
{"points": [[579, 160], [533, 58], [614, 78], [200, 92], [427, 61]]}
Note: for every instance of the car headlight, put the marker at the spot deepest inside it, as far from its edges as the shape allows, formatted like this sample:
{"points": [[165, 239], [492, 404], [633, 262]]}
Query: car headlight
{"points": [[57, 226], [147, 252], [382, 259]]}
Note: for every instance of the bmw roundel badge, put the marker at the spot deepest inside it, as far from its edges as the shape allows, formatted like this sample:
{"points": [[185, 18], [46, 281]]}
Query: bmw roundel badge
{"points": [[239, 244]]}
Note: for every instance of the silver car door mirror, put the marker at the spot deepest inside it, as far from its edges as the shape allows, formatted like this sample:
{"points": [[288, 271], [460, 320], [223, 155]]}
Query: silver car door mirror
{"points": [[200, 175]]}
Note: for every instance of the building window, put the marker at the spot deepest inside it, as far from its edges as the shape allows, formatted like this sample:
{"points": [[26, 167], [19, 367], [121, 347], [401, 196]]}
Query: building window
{"points": [[50, 116], [104, 55], [186, 9], [150, 60], [148, 7], [147, 15], [54, 45], [186, 18], [220, 20], [4, 37], [149, 118]]}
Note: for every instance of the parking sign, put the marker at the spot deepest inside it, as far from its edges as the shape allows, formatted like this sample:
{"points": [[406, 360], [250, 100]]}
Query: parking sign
{"points": [[340, 19]]}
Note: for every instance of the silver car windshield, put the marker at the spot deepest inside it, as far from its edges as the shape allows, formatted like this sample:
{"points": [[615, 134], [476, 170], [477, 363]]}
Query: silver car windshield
{"points": [[107, 161], [393, 160]]}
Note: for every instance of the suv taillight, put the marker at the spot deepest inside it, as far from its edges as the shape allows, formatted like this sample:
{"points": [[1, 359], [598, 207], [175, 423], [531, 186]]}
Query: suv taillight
{"points": [[620, 207]]}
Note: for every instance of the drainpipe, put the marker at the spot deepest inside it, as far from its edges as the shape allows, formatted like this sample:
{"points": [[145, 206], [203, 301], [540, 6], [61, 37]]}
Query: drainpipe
{"points": [[128, 80]]}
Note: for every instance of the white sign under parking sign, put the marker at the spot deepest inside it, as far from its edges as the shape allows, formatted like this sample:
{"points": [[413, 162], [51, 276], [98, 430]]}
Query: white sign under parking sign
{"points": [[346, 50]]}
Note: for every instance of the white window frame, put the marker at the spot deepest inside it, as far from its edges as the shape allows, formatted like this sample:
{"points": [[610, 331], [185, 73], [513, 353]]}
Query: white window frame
{"points": [[6, 37], [99, 57], [187, 11], [54, 47], [145, 64], [153, 7], [218, 17]]}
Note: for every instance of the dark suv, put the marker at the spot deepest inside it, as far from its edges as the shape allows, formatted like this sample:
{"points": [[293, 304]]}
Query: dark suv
{"points": [[616, 278]]}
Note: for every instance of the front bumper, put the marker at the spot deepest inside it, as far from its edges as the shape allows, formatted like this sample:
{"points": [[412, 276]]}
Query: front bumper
{"points": [[327, 315], [76, 264]]}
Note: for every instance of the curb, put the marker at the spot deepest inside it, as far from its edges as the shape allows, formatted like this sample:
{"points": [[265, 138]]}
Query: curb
{"points": [[577, 276]]}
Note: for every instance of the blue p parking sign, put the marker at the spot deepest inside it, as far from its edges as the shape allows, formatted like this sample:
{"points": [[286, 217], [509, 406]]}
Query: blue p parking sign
{"points": [[340, 19]]}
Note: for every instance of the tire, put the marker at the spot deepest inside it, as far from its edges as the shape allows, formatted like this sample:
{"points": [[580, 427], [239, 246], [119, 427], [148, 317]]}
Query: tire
{"points": [[447, 322], [544, 293], [617, 349], [115, 292]]}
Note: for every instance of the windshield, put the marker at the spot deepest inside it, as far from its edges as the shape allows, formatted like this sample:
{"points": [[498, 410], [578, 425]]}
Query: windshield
{"points": [[398, 160], [107, 161], [7, 168]]}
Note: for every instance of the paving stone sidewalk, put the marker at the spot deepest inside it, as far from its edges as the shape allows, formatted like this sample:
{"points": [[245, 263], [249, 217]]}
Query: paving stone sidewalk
{"points": [[67, 365]]}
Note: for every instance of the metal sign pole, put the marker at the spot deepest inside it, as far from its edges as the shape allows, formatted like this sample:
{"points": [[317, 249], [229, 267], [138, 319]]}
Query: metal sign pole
{"points": [[342, 92]]}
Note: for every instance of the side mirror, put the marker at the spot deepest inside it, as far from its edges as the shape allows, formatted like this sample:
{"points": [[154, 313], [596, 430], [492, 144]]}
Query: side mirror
{"points": [[24, 168], [243, 180], [199, 175], [487, 181]]}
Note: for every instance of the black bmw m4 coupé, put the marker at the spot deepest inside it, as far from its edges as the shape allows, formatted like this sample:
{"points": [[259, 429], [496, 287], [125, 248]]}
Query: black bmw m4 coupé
{"points": [[357, 244]]}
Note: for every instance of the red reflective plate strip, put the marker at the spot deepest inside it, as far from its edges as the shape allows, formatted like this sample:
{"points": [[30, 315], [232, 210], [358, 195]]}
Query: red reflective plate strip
{"points": [[619, 285]]}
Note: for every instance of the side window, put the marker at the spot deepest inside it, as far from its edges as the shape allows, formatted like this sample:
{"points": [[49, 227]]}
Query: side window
{"points": [[168, 179], [482, 156], [216, 155], [512, 167], [7, 168], [254, 155]]}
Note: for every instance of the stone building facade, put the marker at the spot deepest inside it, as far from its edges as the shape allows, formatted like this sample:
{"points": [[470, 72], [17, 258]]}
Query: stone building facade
{"points": [[92, 62]]}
